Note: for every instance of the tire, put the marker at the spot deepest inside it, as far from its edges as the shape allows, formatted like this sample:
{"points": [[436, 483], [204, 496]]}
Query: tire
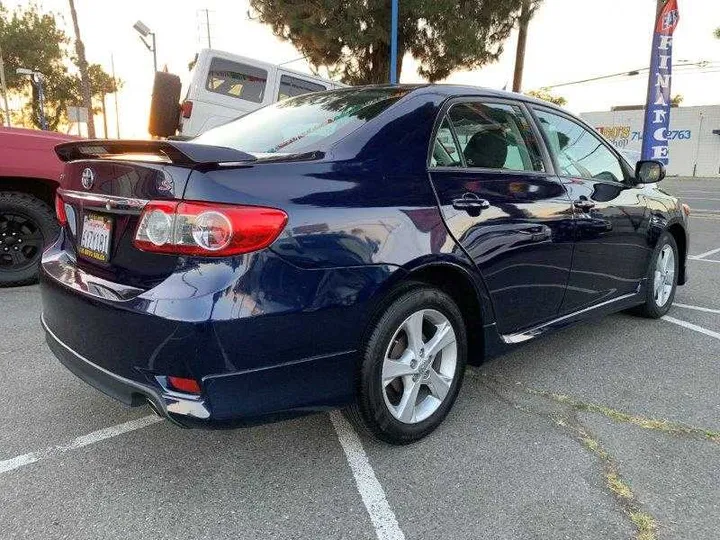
{"points": [[27, 225], [165, 105], [437, 373], [657, 303]]}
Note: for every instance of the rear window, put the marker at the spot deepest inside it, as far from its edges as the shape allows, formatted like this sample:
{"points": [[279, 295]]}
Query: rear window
{"points": [[236, 80], [303, 123], [292, 86]]}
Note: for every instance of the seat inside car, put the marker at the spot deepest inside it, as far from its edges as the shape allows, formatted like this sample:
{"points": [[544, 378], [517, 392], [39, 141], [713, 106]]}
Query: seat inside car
{"points": [[487, 149]]}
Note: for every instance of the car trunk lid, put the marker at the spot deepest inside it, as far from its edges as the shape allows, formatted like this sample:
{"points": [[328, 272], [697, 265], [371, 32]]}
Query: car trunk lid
{"points": [[105, 187]]}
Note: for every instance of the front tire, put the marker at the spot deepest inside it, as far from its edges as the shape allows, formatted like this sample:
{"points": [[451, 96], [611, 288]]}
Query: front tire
{"points": [[27, 225], [412, 369], [661, 279]]}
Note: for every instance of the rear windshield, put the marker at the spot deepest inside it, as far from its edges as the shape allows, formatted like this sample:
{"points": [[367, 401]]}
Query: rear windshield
{"points": [[303, 123]]}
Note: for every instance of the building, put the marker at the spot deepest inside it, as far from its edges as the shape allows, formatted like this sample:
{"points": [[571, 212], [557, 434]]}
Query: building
{"points": [[694, 136]]}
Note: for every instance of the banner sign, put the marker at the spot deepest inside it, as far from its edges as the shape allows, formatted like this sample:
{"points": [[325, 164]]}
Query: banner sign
{"points": [[657, 108]]}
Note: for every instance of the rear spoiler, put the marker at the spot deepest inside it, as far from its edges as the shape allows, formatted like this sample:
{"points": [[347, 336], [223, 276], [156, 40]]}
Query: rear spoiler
{"points": [[177, 152]]}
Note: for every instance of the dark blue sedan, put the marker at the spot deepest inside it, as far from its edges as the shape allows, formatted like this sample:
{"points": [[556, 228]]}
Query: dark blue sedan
{"points": [[353, 248]]}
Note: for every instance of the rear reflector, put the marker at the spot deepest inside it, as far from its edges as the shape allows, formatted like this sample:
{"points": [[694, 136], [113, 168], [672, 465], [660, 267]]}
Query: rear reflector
{"points": [[207, 229], [186, 109], [60, 210], [686, 209], [191, 386]]}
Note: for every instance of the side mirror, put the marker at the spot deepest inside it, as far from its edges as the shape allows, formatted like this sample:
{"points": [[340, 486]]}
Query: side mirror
{"points": [[649, 172]]}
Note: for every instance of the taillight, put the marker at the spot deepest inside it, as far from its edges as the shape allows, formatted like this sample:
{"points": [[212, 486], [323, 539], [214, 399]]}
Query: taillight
{"points": [[207, 229], [186, 109], [60, 210]]}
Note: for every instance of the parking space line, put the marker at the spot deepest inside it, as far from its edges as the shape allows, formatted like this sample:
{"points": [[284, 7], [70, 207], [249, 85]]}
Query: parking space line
{"points": [[371, 492], [697, 308], [707, 253], [84, 440], [703, 260], [691, 326]]}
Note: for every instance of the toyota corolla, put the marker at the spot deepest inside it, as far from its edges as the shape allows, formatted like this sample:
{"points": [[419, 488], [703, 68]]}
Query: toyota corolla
{"points": [[353, 248]]}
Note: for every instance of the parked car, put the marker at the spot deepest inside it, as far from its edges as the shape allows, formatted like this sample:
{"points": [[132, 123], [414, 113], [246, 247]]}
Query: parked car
{"points": [[224, 86], [351, 248], [29, 175]]}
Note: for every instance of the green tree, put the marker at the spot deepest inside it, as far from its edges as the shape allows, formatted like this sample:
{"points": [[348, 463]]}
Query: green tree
{"points": [[717, 33], [30, 39], [34, 41], [352, 38], [546, 95]]}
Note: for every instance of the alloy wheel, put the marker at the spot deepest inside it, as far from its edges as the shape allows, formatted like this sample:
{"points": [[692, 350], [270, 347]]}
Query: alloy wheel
{"points": [[664, 275], [21, 242], [419, 366]]}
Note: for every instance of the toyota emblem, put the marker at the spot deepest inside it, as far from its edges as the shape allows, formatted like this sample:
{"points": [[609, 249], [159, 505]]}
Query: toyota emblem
{"points": [[87, 178]]}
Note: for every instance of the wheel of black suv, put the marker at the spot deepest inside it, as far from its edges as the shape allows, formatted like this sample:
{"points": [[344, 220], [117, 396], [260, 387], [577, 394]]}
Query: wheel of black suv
{"points": [[661, 279], [26, 225], [412, 369]]}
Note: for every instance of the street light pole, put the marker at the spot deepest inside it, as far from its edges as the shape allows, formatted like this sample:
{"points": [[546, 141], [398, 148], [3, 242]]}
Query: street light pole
{"points": [[154, 51], [144, 31], [38, 79]]}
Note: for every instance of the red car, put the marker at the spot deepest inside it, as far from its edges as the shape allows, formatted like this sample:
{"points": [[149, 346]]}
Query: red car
{"points": [[29, 175]]}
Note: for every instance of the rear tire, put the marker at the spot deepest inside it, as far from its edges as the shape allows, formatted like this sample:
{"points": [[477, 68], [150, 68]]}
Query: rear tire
{"points": [[165, 105], [399, 371], [661, 280], [27, 225]]}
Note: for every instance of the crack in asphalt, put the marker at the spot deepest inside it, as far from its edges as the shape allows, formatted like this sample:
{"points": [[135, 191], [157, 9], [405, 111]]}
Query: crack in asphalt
{"points": [[565, 418]]}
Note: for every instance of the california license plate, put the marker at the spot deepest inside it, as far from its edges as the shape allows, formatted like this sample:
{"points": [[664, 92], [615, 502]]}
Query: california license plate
{"points": [[96, 235]]}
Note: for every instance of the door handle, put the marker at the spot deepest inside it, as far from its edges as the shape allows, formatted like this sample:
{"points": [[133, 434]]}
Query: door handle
{"points": [[584, 204], [471, 203]]}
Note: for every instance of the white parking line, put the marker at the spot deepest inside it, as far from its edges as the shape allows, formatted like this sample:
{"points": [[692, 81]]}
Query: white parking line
{"points": [[692, 326], [707, 253], [371, 492], [697, 308], [703, 260], [85, 440]]}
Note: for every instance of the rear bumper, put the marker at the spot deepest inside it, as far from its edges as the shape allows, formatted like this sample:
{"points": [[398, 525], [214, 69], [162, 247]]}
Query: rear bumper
{"points": [[265, 339], [174, 406]]}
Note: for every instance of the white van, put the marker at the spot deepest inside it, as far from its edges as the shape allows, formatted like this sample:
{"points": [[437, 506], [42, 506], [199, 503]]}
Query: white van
{"points": [[225, 86]]}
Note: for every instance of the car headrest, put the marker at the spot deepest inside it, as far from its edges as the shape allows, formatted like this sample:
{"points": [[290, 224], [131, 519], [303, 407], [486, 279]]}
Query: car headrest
{"points": [[487, 149]]}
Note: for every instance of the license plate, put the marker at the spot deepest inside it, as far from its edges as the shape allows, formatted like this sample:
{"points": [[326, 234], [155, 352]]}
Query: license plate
{"points": [[96, 235]]}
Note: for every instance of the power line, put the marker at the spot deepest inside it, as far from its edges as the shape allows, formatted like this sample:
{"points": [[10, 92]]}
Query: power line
{"points": [[700, 64]]}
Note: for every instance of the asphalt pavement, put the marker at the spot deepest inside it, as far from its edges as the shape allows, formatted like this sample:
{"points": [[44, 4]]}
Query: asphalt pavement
{"points": [[610, 429]]}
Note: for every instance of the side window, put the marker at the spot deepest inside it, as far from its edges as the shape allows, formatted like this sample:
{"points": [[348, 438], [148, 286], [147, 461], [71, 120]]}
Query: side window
{"points": [[236, 80], [292, 86], [445, 152], [578, 151], [495, 136]]}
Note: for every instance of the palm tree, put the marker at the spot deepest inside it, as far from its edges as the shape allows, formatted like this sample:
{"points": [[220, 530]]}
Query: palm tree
{"points": [[84, 75]]}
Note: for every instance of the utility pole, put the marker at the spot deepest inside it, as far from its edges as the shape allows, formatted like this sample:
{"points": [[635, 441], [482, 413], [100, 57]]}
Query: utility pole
{"points": [[3, 86], [84, 76], [207, 23], [117, 114], [524, 22], [105, 133]]}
